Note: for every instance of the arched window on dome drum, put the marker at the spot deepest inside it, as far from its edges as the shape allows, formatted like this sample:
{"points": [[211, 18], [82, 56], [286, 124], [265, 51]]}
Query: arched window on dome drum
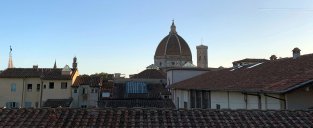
{"points": [[160, 63]]}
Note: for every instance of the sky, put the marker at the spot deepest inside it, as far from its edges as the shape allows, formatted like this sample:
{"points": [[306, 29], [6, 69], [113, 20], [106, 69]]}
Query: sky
{"points": [[121, 36]]}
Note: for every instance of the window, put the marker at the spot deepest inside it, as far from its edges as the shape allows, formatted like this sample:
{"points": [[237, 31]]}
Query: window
{"points": [[11, 104], [64, 85], [36, 104], [38, 87], [13, 87], [44, 86], [198, 99], [28, 104], [96, 90], [192, 99], [84, 91], [92, 90], [75, 90], [136, 87], [205, 99], [185, 105], [83, 106], [29, 87], [51, 85], [218, 106]]}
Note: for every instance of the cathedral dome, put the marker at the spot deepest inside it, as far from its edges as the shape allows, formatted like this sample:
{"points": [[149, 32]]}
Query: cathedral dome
{"points": [[172, 51], [173, 45]]}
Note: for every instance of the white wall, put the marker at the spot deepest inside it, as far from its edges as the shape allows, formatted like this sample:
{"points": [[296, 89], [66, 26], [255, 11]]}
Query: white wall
{"points": [[90, 99], [57, 92], [219, 97], [174, 76], [301, 98], [237, 100], [183, 96], [232, 100]]}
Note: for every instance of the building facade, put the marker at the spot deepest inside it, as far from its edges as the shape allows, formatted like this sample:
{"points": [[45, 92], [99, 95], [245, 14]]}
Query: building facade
{"points": [[275, 84], [33, 87]]}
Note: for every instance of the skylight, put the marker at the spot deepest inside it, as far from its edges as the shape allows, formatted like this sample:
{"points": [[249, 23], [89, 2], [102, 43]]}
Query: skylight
{"points": [[255, 65]]}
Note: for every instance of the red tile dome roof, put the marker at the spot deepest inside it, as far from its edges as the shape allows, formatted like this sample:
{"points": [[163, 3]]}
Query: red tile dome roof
{"points": [[173, 45]]}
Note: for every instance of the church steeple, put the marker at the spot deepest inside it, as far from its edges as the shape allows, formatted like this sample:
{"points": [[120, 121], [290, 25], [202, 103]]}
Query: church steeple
{"points": [[55, 64], [10, 64], [173, 28]]}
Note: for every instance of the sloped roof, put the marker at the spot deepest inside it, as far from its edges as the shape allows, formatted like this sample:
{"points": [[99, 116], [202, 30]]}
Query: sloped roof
{"points": [[44, 73], [152, 117], [88, 80], [150, 74], [132, 103], [251, 60], [54, 103], [273, 76]]}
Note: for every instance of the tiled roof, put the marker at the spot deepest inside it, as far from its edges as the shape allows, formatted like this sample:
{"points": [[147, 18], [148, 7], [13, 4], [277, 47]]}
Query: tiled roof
{"points": [[251, 60], [150, 74], [131, 103], [54, 103], [88, 80], [44, 73], [139, 117], [173, 44], [273, 76]]}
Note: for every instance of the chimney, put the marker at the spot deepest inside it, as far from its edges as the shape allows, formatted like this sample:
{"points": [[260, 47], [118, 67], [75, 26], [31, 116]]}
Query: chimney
{"points": [[35, 66], [273, 57], [296, 53]]}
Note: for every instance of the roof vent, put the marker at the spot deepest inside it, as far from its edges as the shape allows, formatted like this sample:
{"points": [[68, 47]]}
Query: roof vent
{"points": [[296, 53], [273, 57]]}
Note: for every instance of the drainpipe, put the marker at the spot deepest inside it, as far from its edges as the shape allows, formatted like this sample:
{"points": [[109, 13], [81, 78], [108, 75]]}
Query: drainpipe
{"points": [[23, 92], [40, 99], [259, 99]]}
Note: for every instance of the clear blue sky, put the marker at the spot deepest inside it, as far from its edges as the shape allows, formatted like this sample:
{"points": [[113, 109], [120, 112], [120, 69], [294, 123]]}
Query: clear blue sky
{"points": [[122, 35]]}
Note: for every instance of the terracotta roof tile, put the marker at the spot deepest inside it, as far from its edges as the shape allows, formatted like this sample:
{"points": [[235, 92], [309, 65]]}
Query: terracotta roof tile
{"points": [[150, 74], [131, 103], [273, 76], [152, 117], [54, 103], [88, 80], [44, 73]]}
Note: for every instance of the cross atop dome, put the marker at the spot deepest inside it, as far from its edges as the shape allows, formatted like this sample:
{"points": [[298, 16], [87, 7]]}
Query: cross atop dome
{"points": [[173, 28]]}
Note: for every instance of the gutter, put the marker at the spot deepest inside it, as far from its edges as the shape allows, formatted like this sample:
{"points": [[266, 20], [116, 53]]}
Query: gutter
{"points": [[22, 102], [295, 87]]}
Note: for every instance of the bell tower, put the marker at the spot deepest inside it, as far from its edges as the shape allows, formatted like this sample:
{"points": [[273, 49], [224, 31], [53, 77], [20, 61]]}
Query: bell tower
{"points": [[74, 63], [202, 56]]}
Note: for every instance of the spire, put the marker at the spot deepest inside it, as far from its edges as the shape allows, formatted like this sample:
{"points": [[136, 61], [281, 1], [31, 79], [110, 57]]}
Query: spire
{"points": [[10, 64], [173, 28], [55, 64]]}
